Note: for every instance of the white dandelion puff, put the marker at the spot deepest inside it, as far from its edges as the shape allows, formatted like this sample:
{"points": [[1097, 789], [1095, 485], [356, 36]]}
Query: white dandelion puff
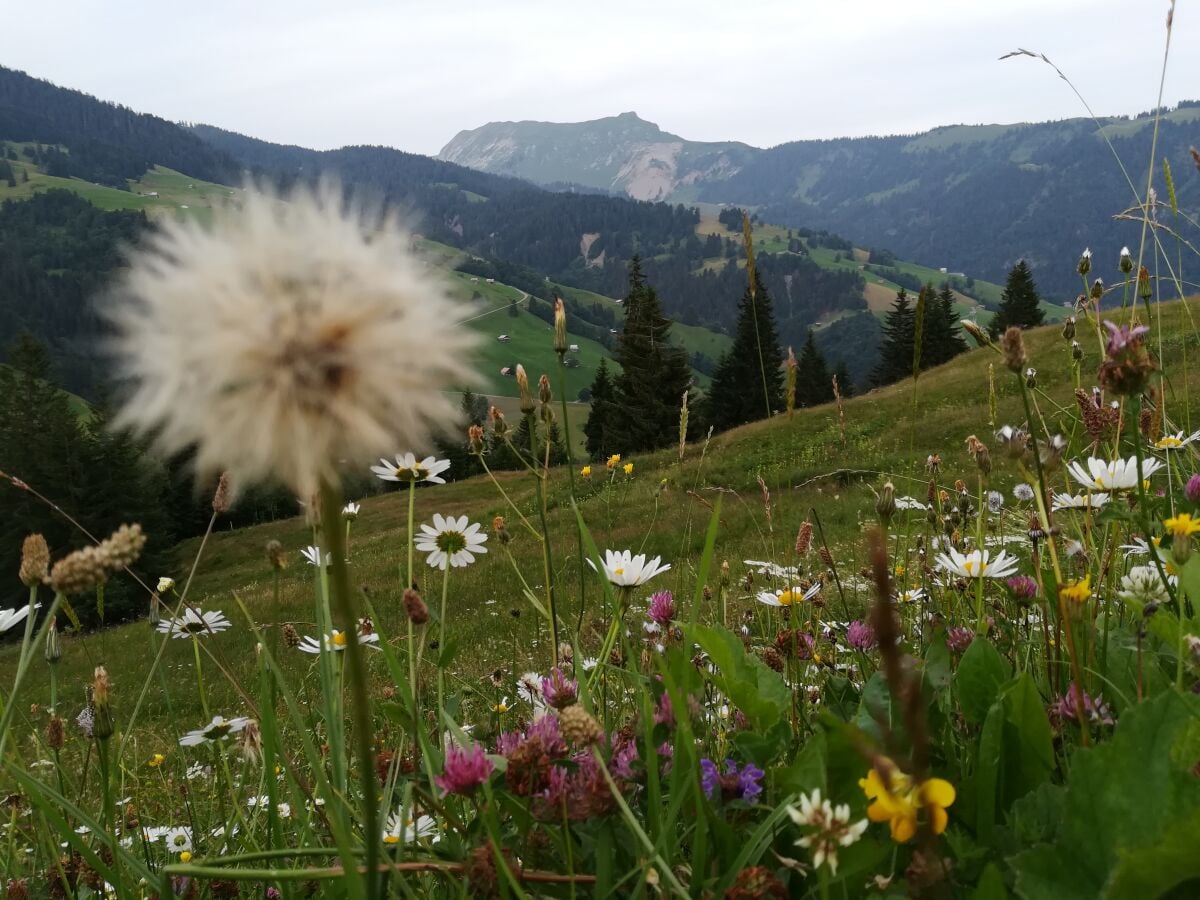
{"points": [[299, 334]]}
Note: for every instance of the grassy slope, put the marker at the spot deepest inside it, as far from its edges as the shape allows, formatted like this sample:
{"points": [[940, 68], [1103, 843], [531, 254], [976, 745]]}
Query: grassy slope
{"points": [[662, 509]]}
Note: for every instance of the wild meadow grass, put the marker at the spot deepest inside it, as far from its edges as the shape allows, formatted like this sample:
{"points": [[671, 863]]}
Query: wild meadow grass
{"points": [[939, 640]]}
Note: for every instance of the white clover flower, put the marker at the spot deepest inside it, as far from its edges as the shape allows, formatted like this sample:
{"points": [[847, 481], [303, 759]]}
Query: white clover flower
{"points": [[623, 569], [833, 828], [978, 564], [1080, 501], [194, 623], [165, 584], [297, 333], [216, 730], [788, 596], [451, 541], [906, 503], [1143, 585], [1121, 475], [761, 567], [407, 468], [529, 687]]}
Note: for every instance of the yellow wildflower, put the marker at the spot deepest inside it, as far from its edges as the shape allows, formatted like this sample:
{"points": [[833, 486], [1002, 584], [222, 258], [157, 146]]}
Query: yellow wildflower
{"points": [[1182, 525], [899, 802], [156, 760], [628, 468], [185, 856], [586, 471], [1077, 591], [614, 461]]}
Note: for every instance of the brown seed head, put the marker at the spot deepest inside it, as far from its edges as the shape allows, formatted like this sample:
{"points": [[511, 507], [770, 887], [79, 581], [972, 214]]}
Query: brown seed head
{"points": [[415, 608], [35, 560], [223, 496], [1012, 345], [85, 569], [578, 726]]}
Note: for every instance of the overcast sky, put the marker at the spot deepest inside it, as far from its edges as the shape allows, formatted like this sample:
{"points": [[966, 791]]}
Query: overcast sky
{"points": [[412, 74]]}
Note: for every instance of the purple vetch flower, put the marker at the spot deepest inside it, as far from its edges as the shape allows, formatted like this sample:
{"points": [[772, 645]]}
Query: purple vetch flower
{"points": [[558, 690], [734, 784], [860, 635], [465, 770], [958, 639], [1192, 490], [1121, 336], [662, 608], [1066, 708], [1023, 587]]}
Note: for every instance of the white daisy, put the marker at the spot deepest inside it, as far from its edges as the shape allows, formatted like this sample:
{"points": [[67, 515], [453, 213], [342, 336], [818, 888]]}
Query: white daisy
{"points": [[10, 617], [789, 596], [904, 503], [1137, 547], [1175, 441], [529, 687], [769, 568], [912, 595], [350, 511], [178, 840], [451, 542], [588, 663], [287, 338], [312, 556], [1081, 501], [194, 623], [408, 468], [335, 641], [978, 564], [623, 569], [402, 828], [1121, 475], [218, 729]]}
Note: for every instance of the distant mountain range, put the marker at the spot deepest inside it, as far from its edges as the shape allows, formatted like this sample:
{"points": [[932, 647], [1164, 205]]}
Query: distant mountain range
{"points": [[972, 198]]}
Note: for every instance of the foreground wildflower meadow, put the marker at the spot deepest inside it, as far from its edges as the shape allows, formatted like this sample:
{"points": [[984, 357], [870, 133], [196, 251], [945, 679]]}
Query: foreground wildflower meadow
{"points": [[940, 641]]}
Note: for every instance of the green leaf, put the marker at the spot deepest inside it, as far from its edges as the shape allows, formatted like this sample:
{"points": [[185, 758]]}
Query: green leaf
{"points": [[990, 885], [989, 764], [981, 673], [446, 654], [841, 697], [807, 770], [1028, 740], [760, 693], [938, 670], [1131, 813]]}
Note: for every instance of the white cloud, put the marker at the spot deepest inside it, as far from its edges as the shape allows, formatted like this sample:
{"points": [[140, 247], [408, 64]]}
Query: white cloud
{"points": [[411, 74]]}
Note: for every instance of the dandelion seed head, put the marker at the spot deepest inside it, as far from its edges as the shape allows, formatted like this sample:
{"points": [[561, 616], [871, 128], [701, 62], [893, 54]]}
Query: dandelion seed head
{"points": [[299, 333]]}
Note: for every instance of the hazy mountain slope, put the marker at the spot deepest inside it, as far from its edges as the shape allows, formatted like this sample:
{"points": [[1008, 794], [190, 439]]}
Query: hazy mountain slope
{"points": [[622, 153], [970, 198]]}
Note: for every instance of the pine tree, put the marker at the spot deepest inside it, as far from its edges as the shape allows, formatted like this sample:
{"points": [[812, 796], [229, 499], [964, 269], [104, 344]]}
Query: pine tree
{"points": [[737, 393], [654, 373], [896, 348], [1019, 304], [599, 419], [814, 384], [845, 383], [943, 338]]}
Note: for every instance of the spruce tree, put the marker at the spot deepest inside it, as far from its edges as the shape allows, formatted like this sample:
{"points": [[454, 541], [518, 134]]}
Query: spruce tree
{"points": [[943, 335], [599, 419], [896, 348], [654, 373], [814, 384], [737, 394], [845, 384], [1019, 304]]}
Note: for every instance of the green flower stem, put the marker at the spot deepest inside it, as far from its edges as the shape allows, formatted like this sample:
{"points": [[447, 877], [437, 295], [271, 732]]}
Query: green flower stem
{"points": [[562, 396], [547, 565], [345, 602], [200, 681], [441, 671]]}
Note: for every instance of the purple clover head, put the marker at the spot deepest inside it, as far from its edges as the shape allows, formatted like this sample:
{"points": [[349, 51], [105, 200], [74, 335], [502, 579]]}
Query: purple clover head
{"points": [[1193, 488], [465, 770], [958, 639], [860, 635], [662, 608], [1023, 587], [558, 690], [1122, 336]]}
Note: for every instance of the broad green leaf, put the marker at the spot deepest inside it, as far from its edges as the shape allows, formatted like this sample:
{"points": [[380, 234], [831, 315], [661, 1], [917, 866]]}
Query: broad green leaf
{"points": [[990, 885], [759, 692], [981, 672], [938, 671], [989, 764]]}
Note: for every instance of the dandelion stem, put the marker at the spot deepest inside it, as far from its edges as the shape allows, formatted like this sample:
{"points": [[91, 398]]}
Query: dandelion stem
{"points": [[346, 605]]}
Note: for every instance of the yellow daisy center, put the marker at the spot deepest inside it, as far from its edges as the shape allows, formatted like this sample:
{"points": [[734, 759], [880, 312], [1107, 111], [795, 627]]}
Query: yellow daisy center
{"points": [[392, 839], [787, 598], [339, 639]]}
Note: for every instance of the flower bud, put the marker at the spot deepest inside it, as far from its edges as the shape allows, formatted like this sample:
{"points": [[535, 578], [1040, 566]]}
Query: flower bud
{"points": [[1126, 263], [53, 649], [527, 404], [1143, 281], [885, 503], [544, 394], [102, 723], [1085, 263], [1076, 351], [499, 425], [1098, 290], [500, 530], [1012, 345], [56, 733], [35, 560], [475, 439], [1031, 378], [166, 585], [275, 555], [975, 331], [1192, 489], [1068, 329], [560, 327]]}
